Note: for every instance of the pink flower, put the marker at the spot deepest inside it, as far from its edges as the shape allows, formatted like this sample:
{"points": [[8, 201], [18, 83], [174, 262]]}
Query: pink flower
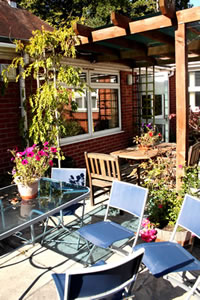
{"points": [[180, 166], [37, 157], [46, 148], [41, 153], [145, 222], [29, 149], [46, 143], [24, 162], [51, 163], [30, 154], [53, 150]]}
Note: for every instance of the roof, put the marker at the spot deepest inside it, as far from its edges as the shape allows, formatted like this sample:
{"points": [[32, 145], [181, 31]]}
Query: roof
{"points": [[18, 23]]}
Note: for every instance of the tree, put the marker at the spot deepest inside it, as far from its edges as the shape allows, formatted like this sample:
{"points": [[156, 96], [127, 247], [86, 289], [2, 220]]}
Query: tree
{"points": [[46, 51], [95, 13]]}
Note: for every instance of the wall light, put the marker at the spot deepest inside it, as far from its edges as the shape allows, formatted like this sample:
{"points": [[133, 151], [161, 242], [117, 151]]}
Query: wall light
{"points": [[129, 79]]}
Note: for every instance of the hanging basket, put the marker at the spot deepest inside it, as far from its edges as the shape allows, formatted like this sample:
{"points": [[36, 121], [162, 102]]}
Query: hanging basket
{"points": [[29, 191]]}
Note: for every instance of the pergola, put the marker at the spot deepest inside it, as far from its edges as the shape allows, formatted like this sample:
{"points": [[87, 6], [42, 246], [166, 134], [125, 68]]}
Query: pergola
{"points": [[168, 37]]}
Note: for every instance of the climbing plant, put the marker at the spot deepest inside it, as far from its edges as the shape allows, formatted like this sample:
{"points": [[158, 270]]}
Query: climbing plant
{"points": [[55, 78]]}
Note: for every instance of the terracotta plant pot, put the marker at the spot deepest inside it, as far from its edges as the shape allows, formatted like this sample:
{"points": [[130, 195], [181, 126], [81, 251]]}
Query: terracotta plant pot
{"points": [[184, 238], [28, 191]]}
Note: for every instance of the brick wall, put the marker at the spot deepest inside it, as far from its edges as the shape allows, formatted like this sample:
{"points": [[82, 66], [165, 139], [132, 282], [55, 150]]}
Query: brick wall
{"points": [[9, 122]]}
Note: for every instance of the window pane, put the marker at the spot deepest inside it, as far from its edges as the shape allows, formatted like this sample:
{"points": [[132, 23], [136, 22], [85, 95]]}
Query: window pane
{"points": [[158, 105], [106, 114], [104, 78], [197, 99], [75, 121], [197, 78], [146, 106]]}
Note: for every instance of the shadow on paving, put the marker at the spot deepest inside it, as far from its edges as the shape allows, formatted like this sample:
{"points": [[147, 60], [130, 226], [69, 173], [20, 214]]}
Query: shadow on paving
{"points": [[66, 243]]}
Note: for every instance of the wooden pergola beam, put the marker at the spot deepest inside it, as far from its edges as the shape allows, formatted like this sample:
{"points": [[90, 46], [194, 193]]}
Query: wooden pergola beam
{"points": [[120, 20], [182, 101], [164, 50], [147, 24]]}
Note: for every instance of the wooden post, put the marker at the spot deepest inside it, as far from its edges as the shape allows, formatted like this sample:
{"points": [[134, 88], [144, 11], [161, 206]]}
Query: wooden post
{"points": [[182, 103]]}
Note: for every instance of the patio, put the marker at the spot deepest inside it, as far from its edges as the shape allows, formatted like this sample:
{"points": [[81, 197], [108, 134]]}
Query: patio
{"points": [[34, 264]]}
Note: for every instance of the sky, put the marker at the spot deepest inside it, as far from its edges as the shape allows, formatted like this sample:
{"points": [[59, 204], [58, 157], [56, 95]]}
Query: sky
{"points": [[195, 2]]}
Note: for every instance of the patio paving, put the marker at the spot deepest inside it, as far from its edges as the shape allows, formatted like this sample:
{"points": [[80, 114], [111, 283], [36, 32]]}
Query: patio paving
{"points": [[26, 272]]}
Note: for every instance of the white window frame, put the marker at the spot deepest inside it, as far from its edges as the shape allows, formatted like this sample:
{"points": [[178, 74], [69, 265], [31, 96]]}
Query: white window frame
{"points": [[91, 134], [192, 90]]}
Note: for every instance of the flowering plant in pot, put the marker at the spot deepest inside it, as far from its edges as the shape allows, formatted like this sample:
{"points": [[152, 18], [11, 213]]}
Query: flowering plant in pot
{"points": [[149, 136], [148, 231], [31, 164]]}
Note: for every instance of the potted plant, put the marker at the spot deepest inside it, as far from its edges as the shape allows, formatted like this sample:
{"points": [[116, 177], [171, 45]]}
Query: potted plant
{"points": [[164, 201], [148, 138], [30, 165]]}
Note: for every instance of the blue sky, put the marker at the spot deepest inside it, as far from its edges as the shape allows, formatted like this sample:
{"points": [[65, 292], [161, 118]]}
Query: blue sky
{"points": [[195, 2]]}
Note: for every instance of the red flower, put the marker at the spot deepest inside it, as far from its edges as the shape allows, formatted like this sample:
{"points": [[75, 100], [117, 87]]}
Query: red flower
{"points": [[150, 133], [51, 163], [160, 206]]}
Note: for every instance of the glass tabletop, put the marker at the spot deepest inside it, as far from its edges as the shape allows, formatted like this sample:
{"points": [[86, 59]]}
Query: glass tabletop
{"points": [[53, 196]]}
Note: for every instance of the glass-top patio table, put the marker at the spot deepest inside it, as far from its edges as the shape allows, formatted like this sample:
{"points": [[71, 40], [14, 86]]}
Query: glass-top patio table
{"points": [[53, 196]]}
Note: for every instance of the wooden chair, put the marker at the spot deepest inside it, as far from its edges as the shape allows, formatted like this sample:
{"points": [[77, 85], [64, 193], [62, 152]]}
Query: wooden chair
{"points": [[102, 170], [193, 154]]}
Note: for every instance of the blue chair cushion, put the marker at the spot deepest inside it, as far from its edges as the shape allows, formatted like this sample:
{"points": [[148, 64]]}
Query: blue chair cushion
{"points": [[164, 257], [69, 211], [105, 233]]}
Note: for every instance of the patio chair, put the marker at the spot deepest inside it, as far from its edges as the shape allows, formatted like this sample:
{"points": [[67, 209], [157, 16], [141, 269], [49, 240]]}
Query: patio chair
{"points": [[126, 197], [194, 154], [164, 258], [108, 281], [102, 169], [73, 176]]}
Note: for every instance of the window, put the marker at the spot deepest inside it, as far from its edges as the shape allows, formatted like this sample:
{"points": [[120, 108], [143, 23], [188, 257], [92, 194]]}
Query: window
{"points": [[147, 106], [98, 108], [194, 90]]}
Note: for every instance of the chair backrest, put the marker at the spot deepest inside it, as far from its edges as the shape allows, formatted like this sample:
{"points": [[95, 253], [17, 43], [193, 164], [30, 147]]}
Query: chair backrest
{"points": [[130, 198], [70, 175], [189, 215], [102, 166], [102, 281], [193, 154]]}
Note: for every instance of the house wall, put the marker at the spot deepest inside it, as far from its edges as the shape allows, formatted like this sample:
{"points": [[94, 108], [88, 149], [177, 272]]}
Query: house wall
{"points": [[9, 122], [10, 115], [112, 142]]}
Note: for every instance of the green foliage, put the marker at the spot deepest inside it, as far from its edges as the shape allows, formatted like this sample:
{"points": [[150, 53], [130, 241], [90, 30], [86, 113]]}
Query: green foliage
{"points": [[164, 201], [95, 13], [46, 51]]}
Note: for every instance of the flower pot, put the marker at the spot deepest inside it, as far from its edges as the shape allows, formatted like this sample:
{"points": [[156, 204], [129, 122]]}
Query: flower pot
{"points": [[145, 148], [184, 238], [28, 191]]}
